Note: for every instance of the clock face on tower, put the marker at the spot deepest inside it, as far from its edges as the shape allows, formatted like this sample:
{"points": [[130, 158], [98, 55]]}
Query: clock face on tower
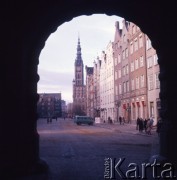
{"points": [[78, 68]]}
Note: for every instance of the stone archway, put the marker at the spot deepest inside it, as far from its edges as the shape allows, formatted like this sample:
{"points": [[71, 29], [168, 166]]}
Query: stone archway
{"points": [[25, 27]]}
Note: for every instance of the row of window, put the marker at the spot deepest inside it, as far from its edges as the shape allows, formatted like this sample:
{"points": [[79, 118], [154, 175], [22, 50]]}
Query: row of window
{"points": [[108, 99], [107, 73], [153, 81], [107, 86], [152, 60], [133, 47], [134, 44], [134, 66], [138, 82]]}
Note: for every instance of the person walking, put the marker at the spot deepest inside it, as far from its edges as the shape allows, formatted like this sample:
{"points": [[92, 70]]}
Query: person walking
{"points": [[159, 125], [137, 123], [140, 125], [150, 125], [145, 125], [120, 120]]}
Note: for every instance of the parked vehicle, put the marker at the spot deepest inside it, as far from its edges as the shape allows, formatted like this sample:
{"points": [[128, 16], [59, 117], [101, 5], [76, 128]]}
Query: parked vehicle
{"points": [[83, 120]]}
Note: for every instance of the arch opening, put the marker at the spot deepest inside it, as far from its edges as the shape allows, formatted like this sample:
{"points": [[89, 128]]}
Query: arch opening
{"points": [[111, 111]]}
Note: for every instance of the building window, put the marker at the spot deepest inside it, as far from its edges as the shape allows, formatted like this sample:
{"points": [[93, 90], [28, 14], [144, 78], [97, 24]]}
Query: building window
{"points": [[150, 82], [136, 44], [151, 108], [127, 86], [157, 82], [141, 61], [136, 64], [133, 84], [119, 58], [124, 72], [116, 90], [142, 80], [140, 41], [132, 66], [131, 47], [137, 82], [127, 69], [124, 87], [120, 89], [119, 73], [116, 46], [149, 62], [126, 52], [155, 59], [123, 54], [148, 44], [116, 75]]}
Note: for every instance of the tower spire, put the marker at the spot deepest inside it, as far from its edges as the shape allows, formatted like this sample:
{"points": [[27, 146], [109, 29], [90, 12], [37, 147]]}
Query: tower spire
{"points": [[78, 60]]}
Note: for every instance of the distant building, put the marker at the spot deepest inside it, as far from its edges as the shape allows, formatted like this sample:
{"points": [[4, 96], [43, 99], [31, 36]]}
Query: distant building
{"points": [[96, 81], [70, 110], [79, 89], [90, 91], [63, 108], [49, 105]]}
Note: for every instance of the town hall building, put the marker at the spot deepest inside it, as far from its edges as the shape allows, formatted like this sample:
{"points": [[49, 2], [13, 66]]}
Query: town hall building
{"points": [[79, 89]]}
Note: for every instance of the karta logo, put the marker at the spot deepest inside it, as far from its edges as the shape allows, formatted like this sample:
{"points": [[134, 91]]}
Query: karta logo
{"points": [[114, 169]]}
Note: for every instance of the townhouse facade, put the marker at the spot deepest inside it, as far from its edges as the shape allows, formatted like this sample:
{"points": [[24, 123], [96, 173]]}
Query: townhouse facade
{"points": [[96, 76], [138, 74], [107, 84], [152, 81], [89, 91]]}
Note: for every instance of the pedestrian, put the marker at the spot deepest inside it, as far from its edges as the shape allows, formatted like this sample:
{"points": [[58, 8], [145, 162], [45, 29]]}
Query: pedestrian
{"points": [[120, 120], [137, 123], [140, 125], [145, 125], [150, 125], [159, 125], [109, 120]]}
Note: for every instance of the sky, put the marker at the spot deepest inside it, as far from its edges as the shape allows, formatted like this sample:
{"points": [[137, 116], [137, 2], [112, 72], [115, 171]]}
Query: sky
{"points": [[56, 61]]}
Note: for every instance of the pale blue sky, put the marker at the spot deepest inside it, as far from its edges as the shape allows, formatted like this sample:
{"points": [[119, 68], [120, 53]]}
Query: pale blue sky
{"points": [[56, 61]]}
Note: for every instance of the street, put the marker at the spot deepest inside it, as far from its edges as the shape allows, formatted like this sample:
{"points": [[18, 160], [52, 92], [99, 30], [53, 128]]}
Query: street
{"points": [[79, 152]]}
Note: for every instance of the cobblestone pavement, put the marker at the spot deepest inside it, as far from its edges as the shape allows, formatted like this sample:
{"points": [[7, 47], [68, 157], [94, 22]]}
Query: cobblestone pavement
{"points": [[79, 152]]}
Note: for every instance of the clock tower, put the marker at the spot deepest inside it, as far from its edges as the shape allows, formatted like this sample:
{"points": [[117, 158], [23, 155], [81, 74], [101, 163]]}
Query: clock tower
{"points": [[79, 89]]}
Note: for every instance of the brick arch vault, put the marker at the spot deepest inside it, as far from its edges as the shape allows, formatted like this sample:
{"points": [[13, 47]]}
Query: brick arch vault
{"points": [[26, 25]]}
